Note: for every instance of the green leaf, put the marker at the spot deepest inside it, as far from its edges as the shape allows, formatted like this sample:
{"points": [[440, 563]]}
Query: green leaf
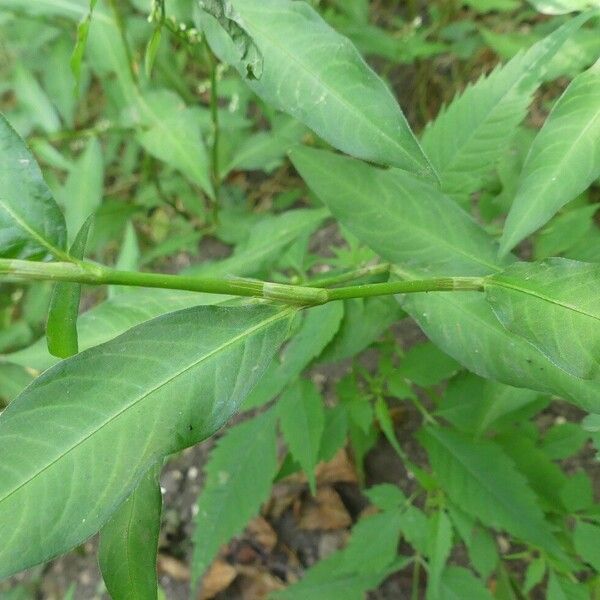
{"points": [[561, 588], [534, 574], [562, 162], [13, 380], [400, 217], [31, 224], [563, 440], [365, 320], [528, 297], [498, 496], [577, 493], [61, 329], [385, 496], [129, 543], [83, 190], [81, 437], [458, 583], [469, 136], [426, 365], [79, 50], [171, 132], [302, 421], [239, 475], [440, 545], [586, 538], [319, 325], [426, 234], [322, 81]]}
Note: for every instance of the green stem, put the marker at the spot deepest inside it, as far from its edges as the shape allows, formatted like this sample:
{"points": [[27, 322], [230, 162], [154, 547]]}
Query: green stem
{"points": [[369, 271], [94, 274], [214, 114], [120, 22]]}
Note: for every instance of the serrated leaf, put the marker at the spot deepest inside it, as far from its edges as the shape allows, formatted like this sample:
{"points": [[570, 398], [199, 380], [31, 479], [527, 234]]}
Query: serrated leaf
{"points": [[585, 537], [239, 475], [322, 81], [302, 421], [129, 543], [31, 224], [440, 545], [80, 438], [458, 583], [469, 136], [61, 328], [563, 161], [554, 305], [499, 497], [171, 132]]}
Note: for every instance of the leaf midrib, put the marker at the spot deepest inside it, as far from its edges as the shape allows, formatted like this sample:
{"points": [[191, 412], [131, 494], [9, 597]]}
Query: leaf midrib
{"points": [[540, 296], [362, 117], [33, 233], [142, 397]]}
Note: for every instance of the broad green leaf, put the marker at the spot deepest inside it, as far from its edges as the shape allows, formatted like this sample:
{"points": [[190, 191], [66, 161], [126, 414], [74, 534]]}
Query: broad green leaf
{"points": [[302, 421], [498, 496], [78, 440], [83, 190], [399, 216], [13, 380], [115, 316], [469, 136], [239, 475], [316, 75], [171, 132], [562, 162], [563, 440], [562, 7], [426, 365], [458, 584], [586, 538], [318, 327], [61, 329], [72, 9], [31, 224], [129, 543], [426, 235], [577, 493], [555, 305]]}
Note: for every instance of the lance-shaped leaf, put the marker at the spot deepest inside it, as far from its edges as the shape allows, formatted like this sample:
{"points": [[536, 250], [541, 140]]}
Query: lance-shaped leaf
{"points": [[563, 161], [61, 329], [562, 7], [316, 75], [433, 237], [555, 305], [467, 138], [31, 224], [129, 543], [78, 440]]}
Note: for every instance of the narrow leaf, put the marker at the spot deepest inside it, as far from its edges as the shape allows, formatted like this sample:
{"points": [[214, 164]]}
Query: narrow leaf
{"points": [[61, 329], [562, 162], [498, 496], [468, 137], [302, 421], [31, 224], [79, 439], [129, 543], [79, 50], [555, 305], [239, 475], [440, 545], [458, 583], [316, 75]]}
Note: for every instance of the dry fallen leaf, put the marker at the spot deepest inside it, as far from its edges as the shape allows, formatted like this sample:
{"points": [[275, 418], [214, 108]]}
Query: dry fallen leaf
{"points": [[261, 532], [217, 579], [257, 584], [339, 469], [173, 568], [326, 512]]}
